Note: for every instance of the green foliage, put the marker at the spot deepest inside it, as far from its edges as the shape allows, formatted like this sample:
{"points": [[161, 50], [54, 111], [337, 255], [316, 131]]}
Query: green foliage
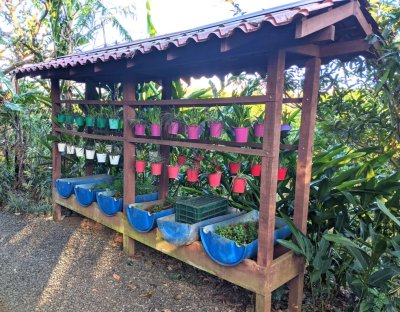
{"points": [[241, 233]]}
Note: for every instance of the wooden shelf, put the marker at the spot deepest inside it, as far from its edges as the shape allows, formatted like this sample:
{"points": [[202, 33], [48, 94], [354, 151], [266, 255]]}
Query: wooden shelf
{"points": [[91, 135], [248, 274]]}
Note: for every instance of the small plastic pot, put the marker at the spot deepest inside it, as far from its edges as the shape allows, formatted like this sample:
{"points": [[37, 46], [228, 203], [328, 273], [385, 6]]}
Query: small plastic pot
{"points": [[173, 171], [79, 151], [214, 179], [181, 160], [89, 121], [173, 128], [113, 123], [101, 158], [61, 118], [255, 170], [234, 167], [79, 121], [155, 130], [239, 185], [215, 129], [259, 130], [156, 169], [282, 174], [114, 160], [140, 129], [69, 119], [140, 166], [241, 135], [193, 132], [101, 122], [61, 147], [70, 149], [89, 154], [192, 175]]}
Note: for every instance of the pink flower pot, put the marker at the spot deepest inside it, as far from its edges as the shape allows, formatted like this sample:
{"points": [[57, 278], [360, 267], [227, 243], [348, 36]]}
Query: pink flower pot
{"points": [[214, 179], [181, 160], [282, 174], [234, 167], [193, 132], [156, 169], [140, 166], [239, 185], [173, 171], [241, 135], [259, 130], [140, 129], [173, 128], [155, 130], [192, 175], [255, 170], [216, 129]]}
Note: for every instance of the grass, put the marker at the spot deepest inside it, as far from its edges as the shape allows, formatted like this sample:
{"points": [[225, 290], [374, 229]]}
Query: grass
{"points": [[20, 203]]}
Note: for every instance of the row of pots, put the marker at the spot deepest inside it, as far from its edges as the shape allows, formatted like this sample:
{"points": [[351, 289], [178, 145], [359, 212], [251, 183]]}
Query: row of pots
{"points": [[89, 121], [89, 154]]}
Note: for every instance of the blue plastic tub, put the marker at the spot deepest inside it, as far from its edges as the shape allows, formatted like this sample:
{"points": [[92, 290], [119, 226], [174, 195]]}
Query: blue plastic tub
{"points": [[146, 197], [109, 205], [65, 187], [142, 220], [85, 195], [180, 234], [227, 252]]}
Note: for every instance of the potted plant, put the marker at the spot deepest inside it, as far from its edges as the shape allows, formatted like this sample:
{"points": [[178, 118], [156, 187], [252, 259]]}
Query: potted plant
{"points": [[70, 144], [138, 123], [69, 115], [234, 167], [259, 126], [113, 118], [140, 162], [287, 119], [101, 120], [61, 116], [115, 155], [173, 168], [101, 152], [79, 121], [79, 149], [255, 168], [90, 117], [239, 183], [156, 165], [171, 119], [90, 150], [110, 201], [193, 118], [215, 123], [153, 116], [214, 178], [282, 170], [241, 119], [192, 172]]}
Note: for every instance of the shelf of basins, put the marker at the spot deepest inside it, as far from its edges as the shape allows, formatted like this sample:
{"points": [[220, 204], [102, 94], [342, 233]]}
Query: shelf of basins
{"points": [[247, 274]]}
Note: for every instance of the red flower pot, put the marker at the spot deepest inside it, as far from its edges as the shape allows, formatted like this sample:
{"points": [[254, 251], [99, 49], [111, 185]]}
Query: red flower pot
{"points": [[282, 174], [139, 129], [193, 132], [140, 166], [234, 167], [173, 171], [192, 175], [259, 130], [214, 179], [239, 185], [241, 135], [173, 128], [156, 169], [255, 170], [196, 163], [155, 130], [181, 160], [215, 129]]}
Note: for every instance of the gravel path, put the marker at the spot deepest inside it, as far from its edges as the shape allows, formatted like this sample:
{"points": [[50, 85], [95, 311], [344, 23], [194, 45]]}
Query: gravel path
{"points": [[78, 265]]}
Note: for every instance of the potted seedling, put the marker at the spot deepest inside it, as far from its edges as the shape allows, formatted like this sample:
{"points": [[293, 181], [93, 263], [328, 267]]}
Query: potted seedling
{"points": [[90, 117], [101, 120], [241, 120], [70, 144], [215, 123], [101, 152], [110, 201], [153, 116], [138, 123], [61, 116], [192, 172], [61, 143], [79, 149], [69, 115], [79, 121], [259, 126], [255, 167], [234, 167], [115, 155], [156, 165], [282, 170], [287, 118], [90, 150], [214, 178], [113, 118], [171, 120], [193, 118], [239, 183], [173, 168], [140, 163]]}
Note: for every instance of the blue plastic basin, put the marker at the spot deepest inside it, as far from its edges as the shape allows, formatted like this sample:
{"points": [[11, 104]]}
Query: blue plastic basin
{"points": [[108, 205], [65, 187], [146, 197], [227, 252], [142, 220], [85, 195]]}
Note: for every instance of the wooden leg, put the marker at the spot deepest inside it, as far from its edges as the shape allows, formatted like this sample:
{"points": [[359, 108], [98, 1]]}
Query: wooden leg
{"points": [[56, 212], [129, 246], [263, 303], [296, 293]]}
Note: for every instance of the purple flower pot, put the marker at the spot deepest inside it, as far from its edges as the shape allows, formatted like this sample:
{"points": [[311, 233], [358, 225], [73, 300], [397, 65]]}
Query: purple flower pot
{"points": [[285, 127], [259, 130], [241, 135], [215, 129], [139, 129], [193, 132], [173, 128], [155, 130]]}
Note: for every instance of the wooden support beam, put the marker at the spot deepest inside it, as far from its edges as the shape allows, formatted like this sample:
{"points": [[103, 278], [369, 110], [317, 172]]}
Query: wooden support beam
{"points": [[55, 94], [308, 50], [313, 24], [304, 167], [90, 94], [338, 49]]}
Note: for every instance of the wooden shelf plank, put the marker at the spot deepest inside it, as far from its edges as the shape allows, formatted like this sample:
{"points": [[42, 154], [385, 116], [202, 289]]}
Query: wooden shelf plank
{"points": [[91, 135]]}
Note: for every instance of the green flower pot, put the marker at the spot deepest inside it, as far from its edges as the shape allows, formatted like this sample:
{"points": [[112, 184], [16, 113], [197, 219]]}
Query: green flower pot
{"points": [[61, 118], [89, 121], [121, 124], [113, 123], [101, 122], [69, 119], [80, 121]]}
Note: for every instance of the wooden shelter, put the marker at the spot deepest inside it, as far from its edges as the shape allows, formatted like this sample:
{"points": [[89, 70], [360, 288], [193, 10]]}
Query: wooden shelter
{"points": [[307, 33]]}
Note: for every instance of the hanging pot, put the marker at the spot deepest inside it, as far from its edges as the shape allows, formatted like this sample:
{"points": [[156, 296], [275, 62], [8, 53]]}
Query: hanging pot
{"points": [[101, 122], [80, 121], [113, 123], [140, 129], [140, 166], [61, 147], [193, 132], [69, 119], [181, 160], [239, 185], [173, 128], [90, 154], [173, 171], [216, 129], [259, 130], [214, 179], [155, 130], [79, 151], [156, 169], [101, 158], [114, 160], [192, 175], [89, 121], [234, 167], [241, 135], [282, 174], [109, 148], [255, 170], [70, 149], [61, 118]]}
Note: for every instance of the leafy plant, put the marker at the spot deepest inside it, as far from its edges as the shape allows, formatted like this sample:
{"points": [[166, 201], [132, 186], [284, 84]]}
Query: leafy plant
{"points": [[153, 115], [141, 155], [101, 147], [241, 233], [193, 116], [239, 116]]}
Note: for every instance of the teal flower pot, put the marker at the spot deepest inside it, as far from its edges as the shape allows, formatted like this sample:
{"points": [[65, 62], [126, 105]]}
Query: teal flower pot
{"points": [[113, 123], [80, 121], [69, 119], [61, 118], [101, 122], [89, 121]]}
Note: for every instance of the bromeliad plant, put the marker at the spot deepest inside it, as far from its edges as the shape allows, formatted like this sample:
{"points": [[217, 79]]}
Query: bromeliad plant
{"points": [[114, 118], [140, 163], [139, 123], [101, 152], [171, 120], [240, 118], [193, 118], [173, 168], [156, 165], [153, 116]]}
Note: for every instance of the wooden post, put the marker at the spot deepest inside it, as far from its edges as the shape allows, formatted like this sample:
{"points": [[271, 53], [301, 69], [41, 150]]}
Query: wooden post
{"points": [[268, 188], [129, 91], [56, 156], [165, 149], [90, 94], [304, 166]]}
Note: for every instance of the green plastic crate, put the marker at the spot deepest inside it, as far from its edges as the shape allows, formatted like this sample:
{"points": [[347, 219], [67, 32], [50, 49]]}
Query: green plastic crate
{"points": [[197, 209]]}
